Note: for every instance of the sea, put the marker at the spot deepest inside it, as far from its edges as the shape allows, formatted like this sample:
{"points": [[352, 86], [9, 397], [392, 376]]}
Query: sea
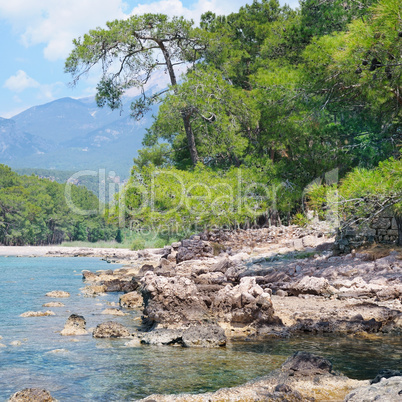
{"points": [[82, 368]]}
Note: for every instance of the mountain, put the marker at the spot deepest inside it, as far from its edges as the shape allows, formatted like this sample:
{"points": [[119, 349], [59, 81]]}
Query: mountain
{"points": [[73, 134], [16, 144]]}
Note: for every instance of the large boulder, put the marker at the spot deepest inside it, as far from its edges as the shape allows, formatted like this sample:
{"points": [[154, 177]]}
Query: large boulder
{"points": [[173, 300], [311, 285], [32, 395], [306, 364], [74, 326], [246, 303], [194, 249], [111, 329]]}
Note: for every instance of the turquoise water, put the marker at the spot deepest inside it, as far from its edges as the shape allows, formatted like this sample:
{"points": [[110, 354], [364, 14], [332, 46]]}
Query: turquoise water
{"points": [[107, 370]]}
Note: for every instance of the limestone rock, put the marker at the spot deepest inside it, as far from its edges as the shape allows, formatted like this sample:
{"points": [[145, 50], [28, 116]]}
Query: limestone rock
{"points": [[311, 285], [131, 300], [75, 325], [387, 390], [111, 329], [113, 311], [57, 294], [32, 395], [306, 364], [53, 304], [37, 313]]}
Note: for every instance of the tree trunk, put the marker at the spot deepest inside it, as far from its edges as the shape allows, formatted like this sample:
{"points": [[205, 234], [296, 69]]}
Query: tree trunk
{"points": [[186, 117], [398, 219], [190, 138]]}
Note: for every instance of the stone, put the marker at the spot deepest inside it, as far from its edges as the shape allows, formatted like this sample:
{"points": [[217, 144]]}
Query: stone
{"points": [[37, 313], [387, 390], [113, 311], [205, 336], [32, 395], [75, 325], [134, 343], [111, 329], [311, 285], [131, 300], [306, 364], [53, 304], [58, 294], [387, 373]]}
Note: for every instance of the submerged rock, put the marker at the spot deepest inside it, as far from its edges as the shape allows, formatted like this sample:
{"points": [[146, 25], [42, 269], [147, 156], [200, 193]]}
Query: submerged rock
{"points": [[37, 313], [53, 304], [75, 325], [113, 311], [111, 329], [32, 395], [58, 294]]}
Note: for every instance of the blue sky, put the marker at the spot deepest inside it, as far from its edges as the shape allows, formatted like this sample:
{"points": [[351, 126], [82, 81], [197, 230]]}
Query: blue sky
{"points": [[36, 38]]}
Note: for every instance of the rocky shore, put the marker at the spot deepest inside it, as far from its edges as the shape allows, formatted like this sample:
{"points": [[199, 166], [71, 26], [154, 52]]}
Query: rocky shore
{"points": [[251, 284], [266, 282]]}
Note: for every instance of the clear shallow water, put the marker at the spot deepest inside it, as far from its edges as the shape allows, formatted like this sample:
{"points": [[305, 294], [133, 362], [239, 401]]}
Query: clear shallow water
{"points": [[106, 370]]}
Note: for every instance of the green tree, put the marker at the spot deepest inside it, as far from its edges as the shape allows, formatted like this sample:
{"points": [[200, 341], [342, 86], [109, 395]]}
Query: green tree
{"points": [[130, 52]]}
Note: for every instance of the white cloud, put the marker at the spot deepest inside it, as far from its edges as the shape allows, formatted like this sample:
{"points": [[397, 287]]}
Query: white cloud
{"points": [[20, 81]]}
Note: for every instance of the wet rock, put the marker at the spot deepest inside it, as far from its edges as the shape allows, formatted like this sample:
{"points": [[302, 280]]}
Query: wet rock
{"points": [[387, 390], [111, 329], [306, 364], [131, 300], [387, 373], [58, 294], [75, 325], [37, 313], [206, 336], [113, 311], [53, 304], [134, 343], [32, 395]]}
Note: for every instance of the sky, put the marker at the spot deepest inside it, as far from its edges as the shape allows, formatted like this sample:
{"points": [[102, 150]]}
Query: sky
{"points": [[36, 38]]}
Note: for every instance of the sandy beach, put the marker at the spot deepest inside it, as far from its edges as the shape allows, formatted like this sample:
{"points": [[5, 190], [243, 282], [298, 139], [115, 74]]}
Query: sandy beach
{"points": [[58, 251]]}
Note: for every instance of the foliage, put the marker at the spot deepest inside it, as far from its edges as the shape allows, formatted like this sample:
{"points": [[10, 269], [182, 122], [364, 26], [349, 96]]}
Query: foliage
{"points": [[36, 211]]}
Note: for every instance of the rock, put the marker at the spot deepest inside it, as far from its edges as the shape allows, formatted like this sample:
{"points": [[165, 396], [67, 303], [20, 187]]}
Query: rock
{"points": [[92, 290], [75, 325], [53, 304], [134, 343], [163, 336], [16, 343], [131, 300], [281, 293], [111, 329], [387, 390], [387, 373], [32, 395], [57, 294], [193, 249], [37, 313], [205, 336], [311, 285], [172, 300], [113, 311], [306, 364]]}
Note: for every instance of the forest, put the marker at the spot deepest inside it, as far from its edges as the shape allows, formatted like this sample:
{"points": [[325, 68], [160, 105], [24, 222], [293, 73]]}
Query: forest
{"points": [[38, 211], [273, 99]]}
